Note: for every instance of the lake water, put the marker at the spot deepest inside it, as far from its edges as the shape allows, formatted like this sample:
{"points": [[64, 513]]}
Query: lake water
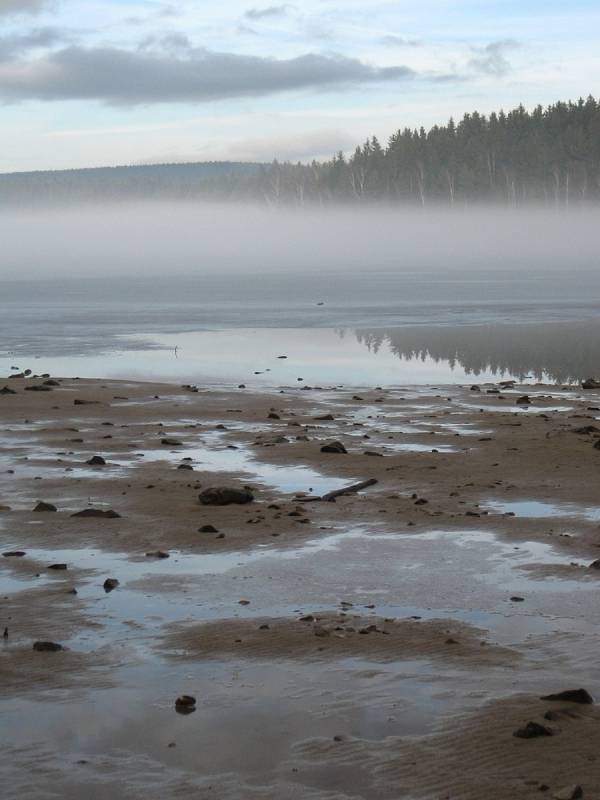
{"points": [[360, 329]]}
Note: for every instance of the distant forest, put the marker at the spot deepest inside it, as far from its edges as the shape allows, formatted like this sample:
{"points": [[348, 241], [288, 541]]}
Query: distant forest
{"points": [[549, 155]]}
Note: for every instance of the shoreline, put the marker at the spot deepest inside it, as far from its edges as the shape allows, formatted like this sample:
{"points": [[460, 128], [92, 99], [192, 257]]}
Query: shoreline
{"points": [[467, 566]]}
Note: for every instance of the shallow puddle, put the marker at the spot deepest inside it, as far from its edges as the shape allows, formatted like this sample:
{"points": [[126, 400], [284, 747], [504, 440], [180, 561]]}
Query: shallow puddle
{"points": [[538, 509]]}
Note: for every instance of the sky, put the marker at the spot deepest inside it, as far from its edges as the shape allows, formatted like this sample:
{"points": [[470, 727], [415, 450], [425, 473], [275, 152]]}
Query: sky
{"points": [[105, 82]]}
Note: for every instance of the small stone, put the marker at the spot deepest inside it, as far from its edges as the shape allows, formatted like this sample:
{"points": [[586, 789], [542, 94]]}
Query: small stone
{"points": [[157, 554], [171, 442], [208, 529], [96, 461], [110, 584], [581, 696], [244, 602], [334, 447], [42, 506], [225, 495], [186, 466], [47, 647], [57, 566], [14, 554], [185, 704], [516, 599], [97, 512], [569, 793], [532, 731]]}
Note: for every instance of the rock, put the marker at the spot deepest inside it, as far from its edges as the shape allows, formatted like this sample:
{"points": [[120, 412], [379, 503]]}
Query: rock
{"points": [[51, 382], [516, 599], [158, 554], [57, 566], [595, 564], [569, 793], [421, 501], [207, 529], [587, 429], [581, 696], [38, 388], [42, 506], [244, 602], [171, 442], [523, 401], [6, 390], [532, 731], [320, 632], [273, 415], [333, 447], [14, 554], [78, 402], [590, 383], [186, 466], [224, 496], [185, 704], [97, 512], [110, 584], [325, 418], [47, 647], [96, 461]]}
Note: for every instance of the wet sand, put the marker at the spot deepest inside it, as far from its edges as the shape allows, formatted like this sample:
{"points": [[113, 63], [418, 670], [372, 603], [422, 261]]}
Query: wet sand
{"points": [[384, 645]]}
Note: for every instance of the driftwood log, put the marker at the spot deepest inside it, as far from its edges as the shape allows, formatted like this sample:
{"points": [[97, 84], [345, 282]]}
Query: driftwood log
{"points": [[330, 496]]}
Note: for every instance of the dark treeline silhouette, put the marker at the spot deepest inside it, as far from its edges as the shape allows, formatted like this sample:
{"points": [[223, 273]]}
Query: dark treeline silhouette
{"points": [[549, 156], [560, 353], [126, 183]]}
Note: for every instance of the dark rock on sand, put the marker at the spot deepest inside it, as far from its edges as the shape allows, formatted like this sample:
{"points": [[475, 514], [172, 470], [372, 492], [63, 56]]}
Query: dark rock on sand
{"points": [[157, 554], [590, 383], [273, 415], [587, 429], [532, 731], [524, 400], [97, 512], [171, 442], [581, 696], [333, 447], [6, 390], [78, 402], [42, 506], [325, 418], [57, 566], [96, 461], [595, 564], [47, 647], [207, 529], [225, 496], [110, 584], [185, 704], [569, 793], [186, 466], [38, 388]]}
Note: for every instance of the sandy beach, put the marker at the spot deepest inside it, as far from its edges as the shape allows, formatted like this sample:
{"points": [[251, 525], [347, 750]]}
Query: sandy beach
{"points": [[385, 645]]}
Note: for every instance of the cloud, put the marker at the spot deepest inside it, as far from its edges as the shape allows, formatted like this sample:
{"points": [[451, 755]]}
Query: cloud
{"points": [[304, 147], [392, 40], [269, 11], [492, 59], [22, 6], [125, 77], [17, 44]]}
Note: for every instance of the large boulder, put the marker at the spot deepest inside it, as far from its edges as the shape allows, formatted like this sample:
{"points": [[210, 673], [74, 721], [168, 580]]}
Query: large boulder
{"points": [[225, 496]]}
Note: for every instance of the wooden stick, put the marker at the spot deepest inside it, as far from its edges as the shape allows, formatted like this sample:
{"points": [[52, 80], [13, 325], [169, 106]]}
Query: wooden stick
{"points": [[330, 496]]}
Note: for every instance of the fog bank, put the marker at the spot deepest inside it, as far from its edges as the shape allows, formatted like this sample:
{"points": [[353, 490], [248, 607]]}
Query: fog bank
{"points": [[195, 239]]}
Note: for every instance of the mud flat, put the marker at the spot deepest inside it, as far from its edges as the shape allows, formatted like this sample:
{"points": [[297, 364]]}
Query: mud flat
{"points": [[385, 645]]}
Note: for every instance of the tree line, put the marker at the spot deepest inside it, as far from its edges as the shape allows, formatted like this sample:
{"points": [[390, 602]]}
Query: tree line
{"points": [[548, 155]]}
